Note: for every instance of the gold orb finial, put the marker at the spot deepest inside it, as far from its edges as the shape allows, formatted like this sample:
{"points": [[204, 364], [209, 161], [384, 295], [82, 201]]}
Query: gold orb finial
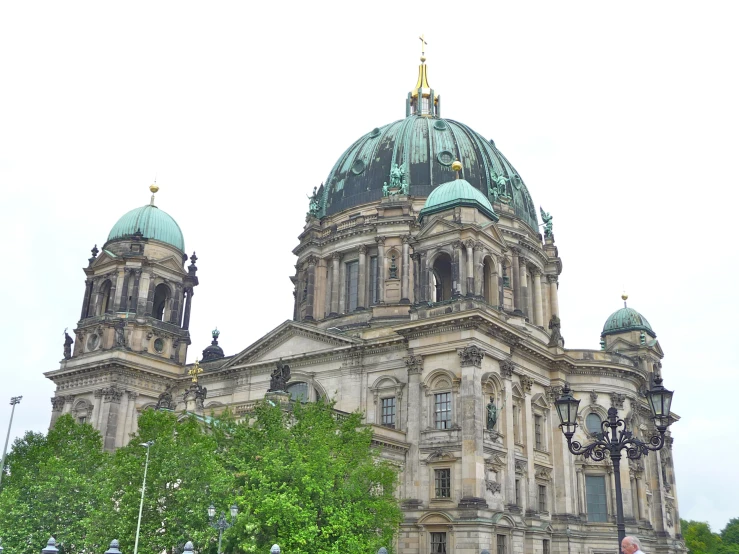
{"points": [[624, 296], [456, 165], [154, 188]]}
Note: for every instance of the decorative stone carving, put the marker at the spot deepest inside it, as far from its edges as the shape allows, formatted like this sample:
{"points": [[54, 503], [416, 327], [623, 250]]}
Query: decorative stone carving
{"points": [[362, 249], [593, 397], [196, 391], [555, 338], [553, 393], [469, 243], [471, 356], [492, 486], [380, 240], [112, 394], [68, 341], [165, 400], [526, 383], [617, 400], [68, 399], [506, 368], [521, 466], [414, 364], [543, 473], [57, 403], [279, 377]]}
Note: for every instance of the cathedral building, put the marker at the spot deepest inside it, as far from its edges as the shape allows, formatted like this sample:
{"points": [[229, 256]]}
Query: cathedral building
{"points": [[425, 298]]}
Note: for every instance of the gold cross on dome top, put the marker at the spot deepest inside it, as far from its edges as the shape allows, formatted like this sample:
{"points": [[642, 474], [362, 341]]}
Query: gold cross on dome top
{"points": [[195, 371], [423, 45]]}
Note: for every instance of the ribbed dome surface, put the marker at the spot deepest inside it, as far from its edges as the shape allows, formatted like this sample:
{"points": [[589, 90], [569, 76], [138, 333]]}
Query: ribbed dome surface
{"points": [[427, 146], [457, 193], [626, 319], [152, 223]]}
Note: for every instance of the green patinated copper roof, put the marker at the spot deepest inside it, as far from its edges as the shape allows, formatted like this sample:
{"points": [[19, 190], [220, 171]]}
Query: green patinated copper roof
{"points": [[426, 146], [626, 319], [151, 223], [457, 193]]}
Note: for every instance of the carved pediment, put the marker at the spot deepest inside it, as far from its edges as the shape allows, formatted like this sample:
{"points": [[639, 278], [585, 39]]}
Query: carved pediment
{"points": [[170, 263], [104, 261], [290, 340], [437, 226]]}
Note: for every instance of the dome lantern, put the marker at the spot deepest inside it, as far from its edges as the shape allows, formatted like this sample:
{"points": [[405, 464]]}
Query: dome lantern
{"points": [[422, 100]]}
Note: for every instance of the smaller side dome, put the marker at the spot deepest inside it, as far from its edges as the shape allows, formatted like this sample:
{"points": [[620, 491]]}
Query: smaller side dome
{"points": [[213, 352], [457, 193], [151, 223], [627, 319]]}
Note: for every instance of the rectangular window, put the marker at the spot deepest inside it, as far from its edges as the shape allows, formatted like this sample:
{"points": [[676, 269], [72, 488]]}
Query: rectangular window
{"points": [[438, 543], [595, 492], [443, 410], [443, 482], [537, 433], [545, 546], [374, 281], [352, 281], [82, 420], [543, 499], [501, 544], [388, 412], [518, 492]]}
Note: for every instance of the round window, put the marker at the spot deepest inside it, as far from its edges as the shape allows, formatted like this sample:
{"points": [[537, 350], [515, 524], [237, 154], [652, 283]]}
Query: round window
{"points": [[159, 345], [445, 157], [358, 167], [93, 341]]}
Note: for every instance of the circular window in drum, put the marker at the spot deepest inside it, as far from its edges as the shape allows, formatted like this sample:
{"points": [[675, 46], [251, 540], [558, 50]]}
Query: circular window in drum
{"points": [[358, 167], [159, 345], [445, 157], [440, 125], [93, 341]]}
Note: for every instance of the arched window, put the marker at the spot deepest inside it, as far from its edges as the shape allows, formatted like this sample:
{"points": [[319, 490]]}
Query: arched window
{"points": [[592, 423], [104, 298], [298, 391], [441, 277], [161, 296]]}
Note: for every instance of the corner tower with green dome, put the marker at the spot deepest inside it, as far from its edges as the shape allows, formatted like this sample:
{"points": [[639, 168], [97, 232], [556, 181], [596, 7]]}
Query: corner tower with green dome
{"points": [[133, 327]]}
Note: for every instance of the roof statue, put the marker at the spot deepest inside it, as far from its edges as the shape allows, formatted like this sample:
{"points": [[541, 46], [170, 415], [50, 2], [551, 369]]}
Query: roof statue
{"points": [[314, 207], [547, 219], [279, 377]]}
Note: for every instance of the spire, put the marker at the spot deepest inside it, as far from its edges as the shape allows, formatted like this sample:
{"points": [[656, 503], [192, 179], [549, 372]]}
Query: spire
{"points": [[624, 297], [422, 100]]}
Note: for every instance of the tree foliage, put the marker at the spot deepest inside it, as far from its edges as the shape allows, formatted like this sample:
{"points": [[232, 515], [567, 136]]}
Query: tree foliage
{"points": [[310, 482]]}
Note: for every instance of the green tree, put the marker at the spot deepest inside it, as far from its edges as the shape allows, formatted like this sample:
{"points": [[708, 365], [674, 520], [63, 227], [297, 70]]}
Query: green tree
{"points": [[699, 538], [730, 533], [184, 476], [309, 481], [52, 488]]}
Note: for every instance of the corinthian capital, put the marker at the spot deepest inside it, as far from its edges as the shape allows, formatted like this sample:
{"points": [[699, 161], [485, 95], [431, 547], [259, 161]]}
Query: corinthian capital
{"points": [[414, 364]]}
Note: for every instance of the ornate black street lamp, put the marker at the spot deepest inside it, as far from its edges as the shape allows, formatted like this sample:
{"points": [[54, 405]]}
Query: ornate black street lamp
{"points": [[612, 440], [222, 523]]}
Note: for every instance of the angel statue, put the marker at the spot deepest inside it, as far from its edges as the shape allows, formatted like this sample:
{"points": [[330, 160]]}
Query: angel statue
{"points": [[547, 219], [313, 203]]}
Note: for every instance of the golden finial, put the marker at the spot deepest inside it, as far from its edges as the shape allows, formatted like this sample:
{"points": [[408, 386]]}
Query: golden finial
{"points": [[624, 297], [457, 166], [195, 371], [154, 188]]}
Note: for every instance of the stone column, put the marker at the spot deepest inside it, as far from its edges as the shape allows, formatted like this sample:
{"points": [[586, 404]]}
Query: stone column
{"points": [[424, 278], [469, 245], [456, 285], [124, 291], [130, 425], [523, 288], [362, 278], [86, 299], [506, 371], [538, 315], [176, 304], [123, 410], [531, 488], [553, 294], [479, 268], [310, 296], [405, 268], [516, 279], [471, 411], [57, 405], [580, 491], [188, 304], [413, 425], [416, 278], [381, 270], [335, 284], [545, 301], [135, 295]]}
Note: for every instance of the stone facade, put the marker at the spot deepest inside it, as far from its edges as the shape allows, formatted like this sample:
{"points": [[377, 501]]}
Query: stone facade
{"points": [[417, 323]]}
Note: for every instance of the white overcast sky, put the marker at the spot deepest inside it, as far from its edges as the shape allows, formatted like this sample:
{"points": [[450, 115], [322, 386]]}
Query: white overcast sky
{"points": [[621, 118]]}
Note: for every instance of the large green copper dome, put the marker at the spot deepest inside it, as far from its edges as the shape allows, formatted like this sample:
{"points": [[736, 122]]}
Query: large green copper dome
{"points": [[457, 193], [627, 319], [151, 223], [426, 146]]}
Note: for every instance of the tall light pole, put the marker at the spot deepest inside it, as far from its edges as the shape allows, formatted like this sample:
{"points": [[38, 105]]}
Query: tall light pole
{"points": [[13, 401], [222, 523], [143, 490], [612, 440]]}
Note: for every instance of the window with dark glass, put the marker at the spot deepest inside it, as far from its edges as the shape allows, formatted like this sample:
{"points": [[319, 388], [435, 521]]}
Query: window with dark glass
{"points": [[443, 482], [352, 281], [539, 442], [82, 420], [545, 546], [438, 543], [592, 423], [374, 281], [543, 498], [298, 391], [443, 410], [518, 492], [595, 493], [388, 412], [501, 544]]}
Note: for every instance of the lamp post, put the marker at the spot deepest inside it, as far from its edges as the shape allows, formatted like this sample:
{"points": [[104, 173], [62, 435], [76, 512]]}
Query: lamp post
{"points": [[222, 523], [143, 490], [13, 401], [612, 440]]}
